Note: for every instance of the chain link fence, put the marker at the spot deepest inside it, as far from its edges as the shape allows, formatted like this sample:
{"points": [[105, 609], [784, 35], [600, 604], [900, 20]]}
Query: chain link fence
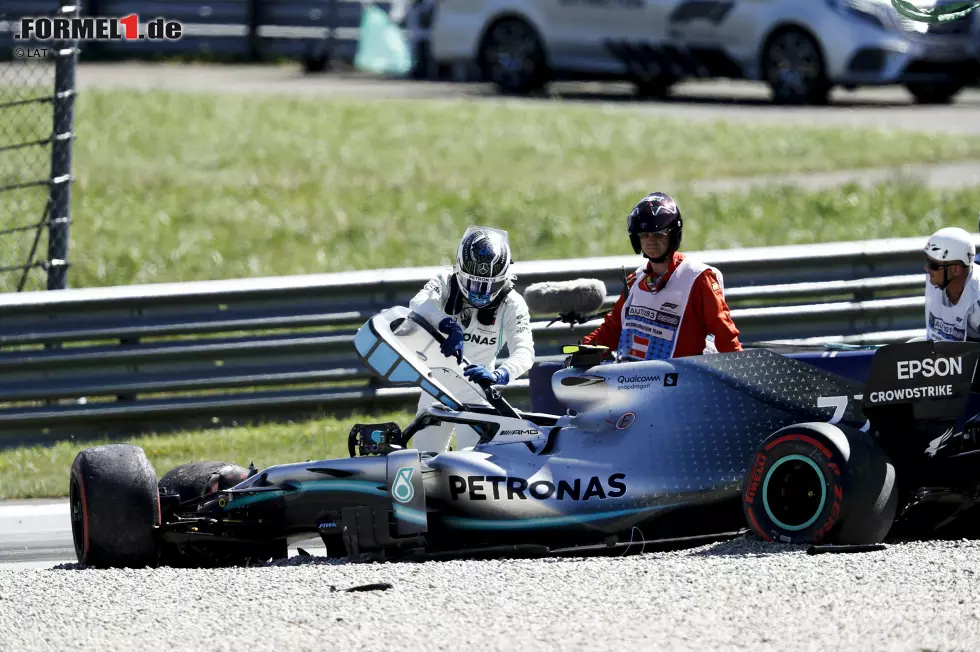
{"points": [[37, 95]]}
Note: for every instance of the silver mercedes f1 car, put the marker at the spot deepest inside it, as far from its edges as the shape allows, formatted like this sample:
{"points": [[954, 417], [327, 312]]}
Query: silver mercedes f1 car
{"points": [[647, 455]]}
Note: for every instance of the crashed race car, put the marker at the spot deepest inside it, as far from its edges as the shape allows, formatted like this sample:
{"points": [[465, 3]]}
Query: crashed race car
{"points": [[648, 455]]}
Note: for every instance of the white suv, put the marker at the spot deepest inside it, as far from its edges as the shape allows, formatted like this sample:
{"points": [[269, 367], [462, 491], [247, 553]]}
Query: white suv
{"points": [[801, 48]]}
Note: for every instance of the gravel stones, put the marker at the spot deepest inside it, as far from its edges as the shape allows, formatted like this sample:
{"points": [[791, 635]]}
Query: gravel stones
{"points": [[740, 594]]}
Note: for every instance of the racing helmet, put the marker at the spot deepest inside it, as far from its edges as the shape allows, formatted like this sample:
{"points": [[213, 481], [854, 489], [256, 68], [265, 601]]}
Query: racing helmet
{"points": [[482, 265], [656, 213], [951, 244]]}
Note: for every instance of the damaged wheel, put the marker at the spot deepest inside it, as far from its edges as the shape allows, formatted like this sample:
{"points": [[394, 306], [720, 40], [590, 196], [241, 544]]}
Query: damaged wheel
{"points": [[197, 479]]}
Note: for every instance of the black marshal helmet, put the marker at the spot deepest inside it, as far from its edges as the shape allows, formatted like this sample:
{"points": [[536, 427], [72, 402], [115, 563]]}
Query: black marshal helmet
{"points": [[656, 213]]}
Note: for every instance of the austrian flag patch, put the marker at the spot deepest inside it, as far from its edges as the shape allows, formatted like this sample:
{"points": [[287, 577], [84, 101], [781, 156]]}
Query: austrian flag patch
{"points": [[639, 345]]}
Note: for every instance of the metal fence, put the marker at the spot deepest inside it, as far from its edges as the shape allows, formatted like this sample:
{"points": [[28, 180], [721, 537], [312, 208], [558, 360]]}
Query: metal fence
{"points": [[171, 355], [37, 94]]}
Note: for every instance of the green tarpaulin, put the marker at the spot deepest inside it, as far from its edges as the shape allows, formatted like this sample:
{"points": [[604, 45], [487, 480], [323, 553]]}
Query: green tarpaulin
{"points": [[381, 47]]}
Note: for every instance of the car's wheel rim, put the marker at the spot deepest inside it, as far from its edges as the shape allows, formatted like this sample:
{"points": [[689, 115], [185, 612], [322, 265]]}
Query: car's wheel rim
{"points": [[794, 496], [511, 54], [793, 65], [77, 518]]}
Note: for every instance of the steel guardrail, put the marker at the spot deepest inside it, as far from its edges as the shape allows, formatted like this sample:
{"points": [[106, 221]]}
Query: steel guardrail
{"points": [[100, 359]]}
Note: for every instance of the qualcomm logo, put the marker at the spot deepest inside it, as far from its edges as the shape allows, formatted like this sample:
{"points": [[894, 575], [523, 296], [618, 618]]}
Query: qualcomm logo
{"points": [[940, 12], [402, 489]]}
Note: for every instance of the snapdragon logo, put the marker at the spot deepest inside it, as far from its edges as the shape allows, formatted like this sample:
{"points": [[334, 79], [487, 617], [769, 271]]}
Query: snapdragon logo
{"points": [[939, 12]]}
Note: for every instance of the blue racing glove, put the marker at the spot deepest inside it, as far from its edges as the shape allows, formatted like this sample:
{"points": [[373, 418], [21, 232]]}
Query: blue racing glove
{"points": [[484, 377], [453, 346]]}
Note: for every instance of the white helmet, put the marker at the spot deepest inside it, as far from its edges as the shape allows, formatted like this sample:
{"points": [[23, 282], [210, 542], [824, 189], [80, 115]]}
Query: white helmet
{"points": [[951, 244], [483, 264]]}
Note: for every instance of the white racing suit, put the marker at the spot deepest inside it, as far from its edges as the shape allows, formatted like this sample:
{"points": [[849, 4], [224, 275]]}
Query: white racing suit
{"points": [[485, 331], [954, 323]]}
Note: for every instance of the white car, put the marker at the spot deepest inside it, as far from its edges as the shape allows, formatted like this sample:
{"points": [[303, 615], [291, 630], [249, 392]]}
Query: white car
{"points": [[801, 48]]}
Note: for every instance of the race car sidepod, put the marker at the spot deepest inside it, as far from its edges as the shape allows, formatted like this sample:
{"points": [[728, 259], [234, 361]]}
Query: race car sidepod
{"points": [[407, 492], [398, 522]]}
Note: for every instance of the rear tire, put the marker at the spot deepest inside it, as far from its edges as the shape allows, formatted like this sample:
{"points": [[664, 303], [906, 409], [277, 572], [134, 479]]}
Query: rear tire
{"points": [[820, 483], [115, 507]]}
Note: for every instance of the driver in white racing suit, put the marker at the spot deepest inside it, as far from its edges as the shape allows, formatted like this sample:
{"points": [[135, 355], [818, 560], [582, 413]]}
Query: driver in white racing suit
{"points": [[477, 308], [952, 287]]}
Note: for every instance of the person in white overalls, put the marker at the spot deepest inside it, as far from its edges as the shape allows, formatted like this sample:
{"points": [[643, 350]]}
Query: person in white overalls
{"points": [[952, 287], [476, 306]]}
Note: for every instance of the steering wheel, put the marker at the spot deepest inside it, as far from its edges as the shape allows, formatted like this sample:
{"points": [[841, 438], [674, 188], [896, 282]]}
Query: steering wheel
{"points": [[493, 395]]}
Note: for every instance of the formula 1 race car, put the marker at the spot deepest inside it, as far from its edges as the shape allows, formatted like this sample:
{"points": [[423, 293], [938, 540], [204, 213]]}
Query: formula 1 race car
{"points": [[648, 453]]}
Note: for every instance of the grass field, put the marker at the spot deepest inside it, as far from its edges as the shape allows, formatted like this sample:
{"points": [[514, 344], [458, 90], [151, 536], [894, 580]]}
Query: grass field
{"points": [[175, 187], [42, 471]]}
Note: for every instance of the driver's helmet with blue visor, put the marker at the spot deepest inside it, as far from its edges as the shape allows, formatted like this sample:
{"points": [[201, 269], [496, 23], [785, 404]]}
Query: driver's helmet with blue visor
{"points": [[482, 265]]}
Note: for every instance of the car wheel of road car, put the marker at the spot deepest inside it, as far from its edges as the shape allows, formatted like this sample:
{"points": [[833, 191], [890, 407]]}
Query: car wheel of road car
{"points": [[512, 57], [935, 93], [820, 483], [793, 67], [115, 507], [201, 478]]}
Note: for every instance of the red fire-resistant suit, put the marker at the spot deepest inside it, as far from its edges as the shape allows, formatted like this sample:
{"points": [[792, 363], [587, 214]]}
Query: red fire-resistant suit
{"points": [[706, 314]]}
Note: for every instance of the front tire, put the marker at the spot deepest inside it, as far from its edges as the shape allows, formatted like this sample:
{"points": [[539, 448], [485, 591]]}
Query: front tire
{"points": [[512, 58], [820, 483], [115, 507], [794, 69]]}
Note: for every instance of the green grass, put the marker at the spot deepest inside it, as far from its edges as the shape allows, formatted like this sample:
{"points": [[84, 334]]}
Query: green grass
{"points": [[179, 187], [42, 471]]}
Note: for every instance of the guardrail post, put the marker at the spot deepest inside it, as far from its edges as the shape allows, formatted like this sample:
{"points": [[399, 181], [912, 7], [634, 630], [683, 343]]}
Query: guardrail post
{"points": [[95, 49], [254, 42], [331, 41], [125, 341], [66, 56]]}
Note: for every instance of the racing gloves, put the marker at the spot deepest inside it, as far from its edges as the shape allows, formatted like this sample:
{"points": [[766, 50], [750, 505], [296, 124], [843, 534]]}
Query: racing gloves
{"points": [[453, 346], [484, 377]]}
